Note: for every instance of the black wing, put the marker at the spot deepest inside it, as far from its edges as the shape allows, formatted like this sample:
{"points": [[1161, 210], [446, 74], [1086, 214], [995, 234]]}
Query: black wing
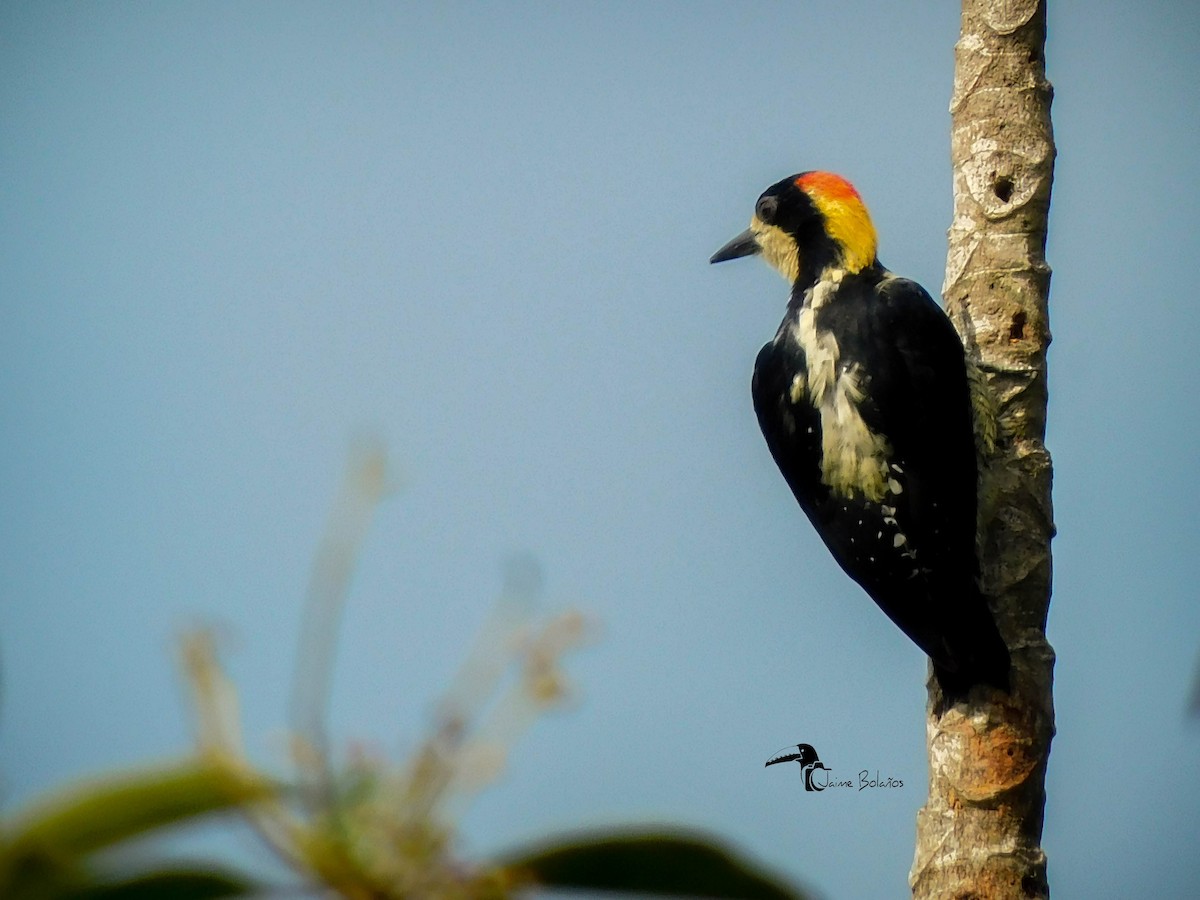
{"points": [[924, 407], [919, 398], [792, 430]]}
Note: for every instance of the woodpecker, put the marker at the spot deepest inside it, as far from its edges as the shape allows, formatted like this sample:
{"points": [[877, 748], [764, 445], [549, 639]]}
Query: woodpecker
{"points": [[864, 399]]}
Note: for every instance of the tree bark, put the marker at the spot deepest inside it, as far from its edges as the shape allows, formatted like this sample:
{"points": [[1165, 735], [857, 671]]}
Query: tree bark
{"points": [[979, 833]]}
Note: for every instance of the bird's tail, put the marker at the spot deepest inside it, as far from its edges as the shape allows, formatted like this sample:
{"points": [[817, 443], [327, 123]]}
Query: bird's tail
{"points": [[975, 655]]}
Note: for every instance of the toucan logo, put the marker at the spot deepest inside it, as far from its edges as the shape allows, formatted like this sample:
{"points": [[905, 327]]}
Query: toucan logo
{"points": [[810, 763], [818, 776]]}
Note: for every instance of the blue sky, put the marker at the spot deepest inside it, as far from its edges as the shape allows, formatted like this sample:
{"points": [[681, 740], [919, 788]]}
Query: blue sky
{"points": [[236, 238]]}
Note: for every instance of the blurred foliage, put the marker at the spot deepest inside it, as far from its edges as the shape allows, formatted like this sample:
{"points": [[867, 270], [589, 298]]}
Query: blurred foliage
{"points": [[50, 849], [365, 829], [648, 862]]}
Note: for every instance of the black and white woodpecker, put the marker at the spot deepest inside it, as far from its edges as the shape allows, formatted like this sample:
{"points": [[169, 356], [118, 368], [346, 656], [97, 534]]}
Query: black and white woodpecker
{"points": [[864, 398]]}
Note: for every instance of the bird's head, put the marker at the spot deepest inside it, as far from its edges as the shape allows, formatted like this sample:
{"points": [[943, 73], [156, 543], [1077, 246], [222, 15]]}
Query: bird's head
{"points": [[805, 754], [806, 224]]}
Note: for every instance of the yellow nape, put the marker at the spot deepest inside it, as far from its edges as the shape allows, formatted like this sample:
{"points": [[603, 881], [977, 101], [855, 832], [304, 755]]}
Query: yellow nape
{"points": [[846, 218]]}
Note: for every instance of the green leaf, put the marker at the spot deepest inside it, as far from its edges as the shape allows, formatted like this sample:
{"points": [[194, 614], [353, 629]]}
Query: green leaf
{"points": [[91, 816], [30, 874], [649, 862], [171, 884]]}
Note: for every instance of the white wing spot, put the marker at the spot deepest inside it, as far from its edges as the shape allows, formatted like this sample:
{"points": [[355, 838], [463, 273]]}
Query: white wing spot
{"points": [[797, 392], [894, 486], [899, 541]]}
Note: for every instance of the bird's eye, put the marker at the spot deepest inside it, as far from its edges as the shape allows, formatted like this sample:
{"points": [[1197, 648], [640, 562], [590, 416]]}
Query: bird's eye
{"points": [[765, 210]]}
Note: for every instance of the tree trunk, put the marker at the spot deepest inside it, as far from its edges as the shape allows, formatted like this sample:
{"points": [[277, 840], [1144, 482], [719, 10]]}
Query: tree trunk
{"points": [[979, 833]]}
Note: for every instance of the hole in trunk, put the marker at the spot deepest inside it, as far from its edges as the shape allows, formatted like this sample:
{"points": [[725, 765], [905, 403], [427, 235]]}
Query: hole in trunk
{"points": [[1003, 188], [1016, 331]]}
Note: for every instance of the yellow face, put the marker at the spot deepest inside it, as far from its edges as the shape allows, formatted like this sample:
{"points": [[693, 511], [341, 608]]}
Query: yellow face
{"points": [[778, 248]]}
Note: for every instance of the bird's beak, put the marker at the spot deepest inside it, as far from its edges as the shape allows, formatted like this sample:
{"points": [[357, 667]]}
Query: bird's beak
{"points": [[782, 758], [745, 244]]}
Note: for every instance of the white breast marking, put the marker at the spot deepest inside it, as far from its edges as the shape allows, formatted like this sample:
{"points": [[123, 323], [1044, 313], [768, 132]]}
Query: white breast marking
{"points": [[854, 459]]}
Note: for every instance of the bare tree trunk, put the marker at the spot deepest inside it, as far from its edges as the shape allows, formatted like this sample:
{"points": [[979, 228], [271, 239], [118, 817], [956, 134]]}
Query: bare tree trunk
{"points": [[979, 833]]}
